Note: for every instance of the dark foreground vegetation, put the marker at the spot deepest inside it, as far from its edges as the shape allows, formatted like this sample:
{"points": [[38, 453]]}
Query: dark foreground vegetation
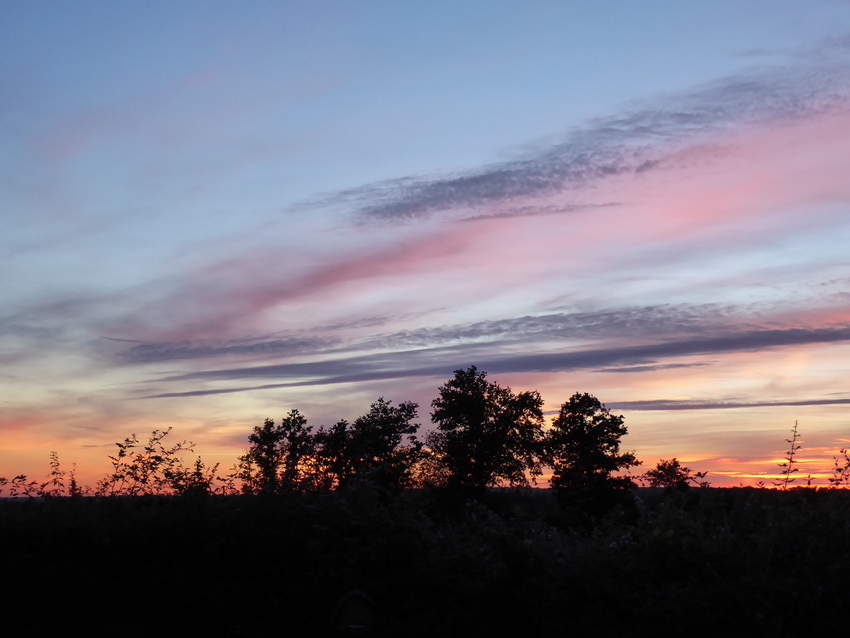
{"points": [[362, 529], [511, 562]]}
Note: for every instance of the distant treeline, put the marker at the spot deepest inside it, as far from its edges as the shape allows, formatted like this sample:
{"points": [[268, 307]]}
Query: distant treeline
{"points": [[313, 532], [486, 436]]}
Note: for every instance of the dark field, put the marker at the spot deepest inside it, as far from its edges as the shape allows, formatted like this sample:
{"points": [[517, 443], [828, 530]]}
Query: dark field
{"points": [[721, 562]]}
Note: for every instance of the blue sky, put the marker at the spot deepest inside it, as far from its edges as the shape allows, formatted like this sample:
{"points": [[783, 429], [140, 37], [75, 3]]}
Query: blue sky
{"points": [[215, 212]]}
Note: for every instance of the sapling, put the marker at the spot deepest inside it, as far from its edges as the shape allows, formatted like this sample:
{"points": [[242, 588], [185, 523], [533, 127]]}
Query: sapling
{"points": [[841, 471], [788, 467]]}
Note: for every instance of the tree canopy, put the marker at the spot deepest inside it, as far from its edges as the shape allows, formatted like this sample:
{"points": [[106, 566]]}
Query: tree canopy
{"points": [[486, 434], [583, 448], [275, 460], [672, 475], [380, 446]]}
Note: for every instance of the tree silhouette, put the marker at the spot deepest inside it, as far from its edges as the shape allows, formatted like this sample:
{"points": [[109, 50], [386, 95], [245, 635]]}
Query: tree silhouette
{"points": [[333, 467], [379, 446], [297, 446], [583, 449], [276, 456], [485, 433], [672, 475], [259, 466], [383, 444]]}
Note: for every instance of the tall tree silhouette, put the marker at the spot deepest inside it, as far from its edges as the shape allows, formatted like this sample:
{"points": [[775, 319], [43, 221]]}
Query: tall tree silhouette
{"points": [[485, 433], [583, 449], [297, 447], [383, 444], [333, 467]]}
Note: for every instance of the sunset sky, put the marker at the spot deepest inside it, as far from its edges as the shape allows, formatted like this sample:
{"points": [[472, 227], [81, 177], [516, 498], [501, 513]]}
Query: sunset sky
{"points": [[214, 212]]}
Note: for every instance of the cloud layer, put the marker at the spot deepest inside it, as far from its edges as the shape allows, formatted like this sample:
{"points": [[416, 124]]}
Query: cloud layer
{"points": [[441, 362], [630, 143]]}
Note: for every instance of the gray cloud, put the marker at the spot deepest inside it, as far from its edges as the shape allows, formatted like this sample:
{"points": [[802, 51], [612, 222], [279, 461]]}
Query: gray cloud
{"points": [[647, 321], [754, 340], [536, 211], [652, 368], [170, 351], [664, 404], [435, 362], [651, 321], [633, 142]]}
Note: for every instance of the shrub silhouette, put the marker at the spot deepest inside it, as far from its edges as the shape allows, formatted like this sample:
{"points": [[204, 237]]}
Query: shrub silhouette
{"points": [[672, 475], [154, 469], [841, 470]]}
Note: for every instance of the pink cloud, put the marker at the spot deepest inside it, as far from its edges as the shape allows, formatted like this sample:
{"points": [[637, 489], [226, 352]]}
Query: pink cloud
{"points": [[700, 196], [760, 184], [229, 297], [767, 170]]}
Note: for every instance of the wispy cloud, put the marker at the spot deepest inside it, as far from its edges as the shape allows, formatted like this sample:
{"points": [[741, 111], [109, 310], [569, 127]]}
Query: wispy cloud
{"points": [[652, 368], [666, 404], [646, 321], [221, 299], [633, 142], [634, 322], [146, 353], [440, 362]]}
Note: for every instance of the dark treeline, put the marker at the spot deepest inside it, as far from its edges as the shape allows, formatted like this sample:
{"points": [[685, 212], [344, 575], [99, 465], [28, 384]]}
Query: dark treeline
{"points": [[486, 436], [315, 532]]}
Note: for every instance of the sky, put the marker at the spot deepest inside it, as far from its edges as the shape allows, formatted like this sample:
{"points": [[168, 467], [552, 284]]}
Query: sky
{"points": [[214, 212]]}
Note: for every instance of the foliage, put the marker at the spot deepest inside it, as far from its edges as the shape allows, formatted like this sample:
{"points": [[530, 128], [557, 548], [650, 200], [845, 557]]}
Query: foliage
{"points": [[486, 434], [583, 449], [296, 448], [258, 468], [277, 456], [841, 470], [18, 486], [788, 466], [153, 469], [380, 447], [332, 466], [53, 485], [194, 480], [383, 446], [672, 475]]}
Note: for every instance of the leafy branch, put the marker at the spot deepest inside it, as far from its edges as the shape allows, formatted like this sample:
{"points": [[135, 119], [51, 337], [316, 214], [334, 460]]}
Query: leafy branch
{"points": [[151, 470], [841, 473], [788, 467]]}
